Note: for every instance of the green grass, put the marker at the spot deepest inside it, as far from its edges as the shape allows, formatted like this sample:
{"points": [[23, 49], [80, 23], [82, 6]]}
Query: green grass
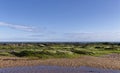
{"points": [[58, 50], [45, 54], [5, 54]]}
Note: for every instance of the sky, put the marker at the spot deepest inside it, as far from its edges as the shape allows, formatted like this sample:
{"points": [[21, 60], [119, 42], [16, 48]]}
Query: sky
{"points": [[59, 20]]}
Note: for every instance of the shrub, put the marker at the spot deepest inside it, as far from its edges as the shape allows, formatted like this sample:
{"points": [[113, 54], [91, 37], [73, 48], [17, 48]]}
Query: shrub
{"points": [[24, 53], [64, 52], [85, 52], [48, 52], [110, 48]]}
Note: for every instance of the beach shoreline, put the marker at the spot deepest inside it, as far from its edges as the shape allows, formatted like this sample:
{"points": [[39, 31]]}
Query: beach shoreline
{"points": [[89, 61]]}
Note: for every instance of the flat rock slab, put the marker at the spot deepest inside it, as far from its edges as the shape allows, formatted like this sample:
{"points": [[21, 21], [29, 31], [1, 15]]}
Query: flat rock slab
{"points": [[56, 69]]}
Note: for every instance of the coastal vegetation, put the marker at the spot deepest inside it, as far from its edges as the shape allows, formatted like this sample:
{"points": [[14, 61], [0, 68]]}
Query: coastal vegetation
{"points": [[58, 50]]}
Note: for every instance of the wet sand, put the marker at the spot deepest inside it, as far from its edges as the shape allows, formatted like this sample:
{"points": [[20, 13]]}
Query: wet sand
{"points": [[56, 69], [85, 64], [96, 62]]}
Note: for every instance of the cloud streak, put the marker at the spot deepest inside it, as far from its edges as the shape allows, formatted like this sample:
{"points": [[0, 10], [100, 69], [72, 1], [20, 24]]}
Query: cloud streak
{"points": [[19, 27], [105, 36], [85, 36]]}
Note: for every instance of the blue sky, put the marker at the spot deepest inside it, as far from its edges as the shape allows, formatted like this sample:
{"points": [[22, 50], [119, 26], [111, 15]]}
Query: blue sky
{"points": [[60, 20]]}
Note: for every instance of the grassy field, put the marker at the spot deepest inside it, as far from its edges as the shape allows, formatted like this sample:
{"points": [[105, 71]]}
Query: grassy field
{"points": [[57, 50]]}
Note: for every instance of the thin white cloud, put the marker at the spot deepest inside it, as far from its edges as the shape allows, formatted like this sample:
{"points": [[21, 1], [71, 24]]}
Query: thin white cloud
{"points": [[105, 36], [19, 27]]}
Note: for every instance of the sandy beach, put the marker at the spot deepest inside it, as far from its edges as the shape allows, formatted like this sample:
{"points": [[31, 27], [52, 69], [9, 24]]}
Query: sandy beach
{"points": [[106, 62]]}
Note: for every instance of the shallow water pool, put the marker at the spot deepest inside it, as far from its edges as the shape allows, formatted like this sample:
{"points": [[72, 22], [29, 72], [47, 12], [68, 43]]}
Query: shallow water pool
{"points": [[55, 69]]}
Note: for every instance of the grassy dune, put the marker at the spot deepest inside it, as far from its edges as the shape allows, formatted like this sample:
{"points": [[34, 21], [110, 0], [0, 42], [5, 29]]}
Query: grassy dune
{"points": [[58, 50]]}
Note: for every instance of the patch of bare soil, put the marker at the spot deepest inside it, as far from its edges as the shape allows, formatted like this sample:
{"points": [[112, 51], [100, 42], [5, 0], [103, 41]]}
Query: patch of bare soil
{"points": [[112, 56]]}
